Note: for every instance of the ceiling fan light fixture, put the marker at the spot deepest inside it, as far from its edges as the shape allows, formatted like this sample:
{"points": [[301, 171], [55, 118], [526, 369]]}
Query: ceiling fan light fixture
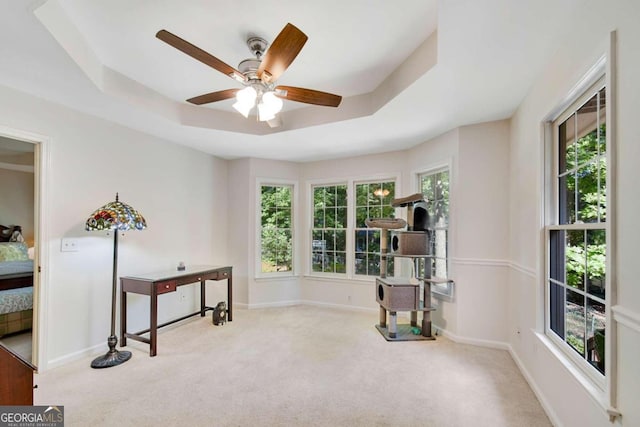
{"points": [[269, 106], [245, 100]]}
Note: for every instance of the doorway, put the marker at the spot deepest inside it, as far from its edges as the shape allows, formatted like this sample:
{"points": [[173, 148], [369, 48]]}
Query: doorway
{"points": [[21, 250]]}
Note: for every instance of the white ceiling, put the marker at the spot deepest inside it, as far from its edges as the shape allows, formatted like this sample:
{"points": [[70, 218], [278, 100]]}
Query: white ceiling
{"points": [[102, 58]]}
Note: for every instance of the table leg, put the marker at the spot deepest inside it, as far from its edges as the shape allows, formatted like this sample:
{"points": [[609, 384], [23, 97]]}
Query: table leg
{"points": [[123, 317], [229, 298], [202, 298], [153, 327]]}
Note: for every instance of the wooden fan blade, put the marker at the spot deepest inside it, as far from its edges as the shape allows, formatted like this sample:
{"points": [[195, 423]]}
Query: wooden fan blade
{"points": [[220, 95], [281, 53], [199, 54], [308, 96]]}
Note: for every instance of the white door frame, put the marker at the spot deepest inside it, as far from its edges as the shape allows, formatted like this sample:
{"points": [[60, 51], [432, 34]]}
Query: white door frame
{"points": [[41, 264]]}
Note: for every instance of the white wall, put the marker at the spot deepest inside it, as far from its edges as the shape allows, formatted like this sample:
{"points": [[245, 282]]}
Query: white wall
{"points": [[476, 154], [177, 189], [566, 400]]}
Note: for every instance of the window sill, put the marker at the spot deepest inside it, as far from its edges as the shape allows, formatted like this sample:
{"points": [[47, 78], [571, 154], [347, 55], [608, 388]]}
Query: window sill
{"points": [[344, 278], [594, 391], [277, 277]]}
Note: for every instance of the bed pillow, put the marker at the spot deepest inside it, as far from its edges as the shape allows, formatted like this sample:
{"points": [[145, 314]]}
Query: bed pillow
{"points": [[13, 251]]}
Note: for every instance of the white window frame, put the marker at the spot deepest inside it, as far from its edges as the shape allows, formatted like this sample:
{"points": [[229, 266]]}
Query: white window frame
{"points": [[444, 291], [311, 187], [350, 181], [354, 226], [265, 182], [601, 387]]}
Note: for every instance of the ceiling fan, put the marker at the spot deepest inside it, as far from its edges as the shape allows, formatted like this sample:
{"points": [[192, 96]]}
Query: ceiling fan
{"points": [[258, 74]]}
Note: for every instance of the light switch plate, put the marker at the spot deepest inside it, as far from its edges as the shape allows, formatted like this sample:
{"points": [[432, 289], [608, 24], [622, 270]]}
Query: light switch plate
{"points": [[69, 245]]}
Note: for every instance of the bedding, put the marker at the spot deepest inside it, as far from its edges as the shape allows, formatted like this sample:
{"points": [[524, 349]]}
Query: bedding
{"points": [[16, 282], [13, 300]]}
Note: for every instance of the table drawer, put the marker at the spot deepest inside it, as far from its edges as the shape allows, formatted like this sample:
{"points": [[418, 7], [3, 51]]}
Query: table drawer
{"points": [[164, 287]]}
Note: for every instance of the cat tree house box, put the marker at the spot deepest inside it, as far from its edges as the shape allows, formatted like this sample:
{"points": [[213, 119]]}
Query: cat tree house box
{"points": [[396, 294]]}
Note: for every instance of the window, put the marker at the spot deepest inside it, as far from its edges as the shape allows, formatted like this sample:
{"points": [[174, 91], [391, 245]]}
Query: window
{"points": [[373, 200], [577, 234], [435, 188], [276, 228], [329, 232]]}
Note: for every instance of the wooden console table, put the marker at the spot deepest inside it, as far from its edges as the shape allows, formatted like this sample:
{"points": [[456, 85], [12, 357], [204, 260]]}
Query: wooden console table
{"points": [[162, 282]]}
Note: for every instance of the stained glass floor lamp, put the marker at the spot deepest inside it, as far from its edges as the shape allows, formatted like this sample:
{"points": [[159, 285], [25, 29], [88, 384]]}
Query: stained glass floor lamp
{"points": [[119, 217]]}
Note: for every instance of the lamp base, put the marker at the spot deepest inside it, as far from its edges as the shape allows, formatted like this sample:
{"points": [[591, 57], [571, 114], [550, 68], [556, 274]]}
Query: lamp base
{"points": [[113, 357]]}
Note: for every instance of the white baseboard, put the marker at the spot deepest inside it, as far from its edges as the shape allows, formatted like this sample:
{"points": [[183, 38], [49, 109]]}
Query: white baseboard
{"points": [[340, 306], [72, 357], [472, 341]]}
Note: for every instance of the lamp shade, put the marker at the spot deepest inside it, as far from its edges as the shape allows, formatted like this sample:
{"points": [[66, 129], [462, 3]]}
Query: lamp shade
{"points": [[115, 216]]}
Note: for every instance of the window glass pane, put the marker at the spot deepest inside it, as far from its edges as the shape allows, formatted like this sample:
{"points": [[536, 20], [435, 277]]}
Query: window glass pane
{"points": [[557, 255], [602, 183], [283, 218], [435, 188], [330, 197], [576, 259], [375, 212], [341, 262], [587, 125], [329, 238], [316, 261], [276, 222], [602, 113], [575, 316], [596, 262], [361, 241], [556, 308], [567, 199], [388, 192], [341, 195], [362, 194], [427, 187], [330, 217], [285, 252], [341, 217], [440, 240], [361, 263], [361, 216], [341, 240], [588, 193], [374, 241], [596, 322], [567, 143], [318, 218], [373, 265], [318, 197], [328, 262]]}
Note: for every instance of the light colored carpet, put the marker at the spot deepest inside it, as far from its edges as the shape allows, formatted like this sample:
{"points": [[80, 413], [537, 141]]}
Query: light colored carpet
{"points": [[294, 366]]}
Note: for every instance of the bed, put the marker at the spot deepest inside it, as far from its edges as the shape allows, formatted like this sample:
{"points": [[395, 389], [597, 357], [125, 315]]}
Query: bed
{"points": [[16, 282]]}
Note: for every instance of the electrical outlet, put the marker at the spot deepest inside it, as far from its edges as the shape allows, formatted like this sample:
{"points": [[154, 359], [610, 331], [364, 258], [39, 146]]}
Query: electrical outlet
{"points": [[69, 245]]}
